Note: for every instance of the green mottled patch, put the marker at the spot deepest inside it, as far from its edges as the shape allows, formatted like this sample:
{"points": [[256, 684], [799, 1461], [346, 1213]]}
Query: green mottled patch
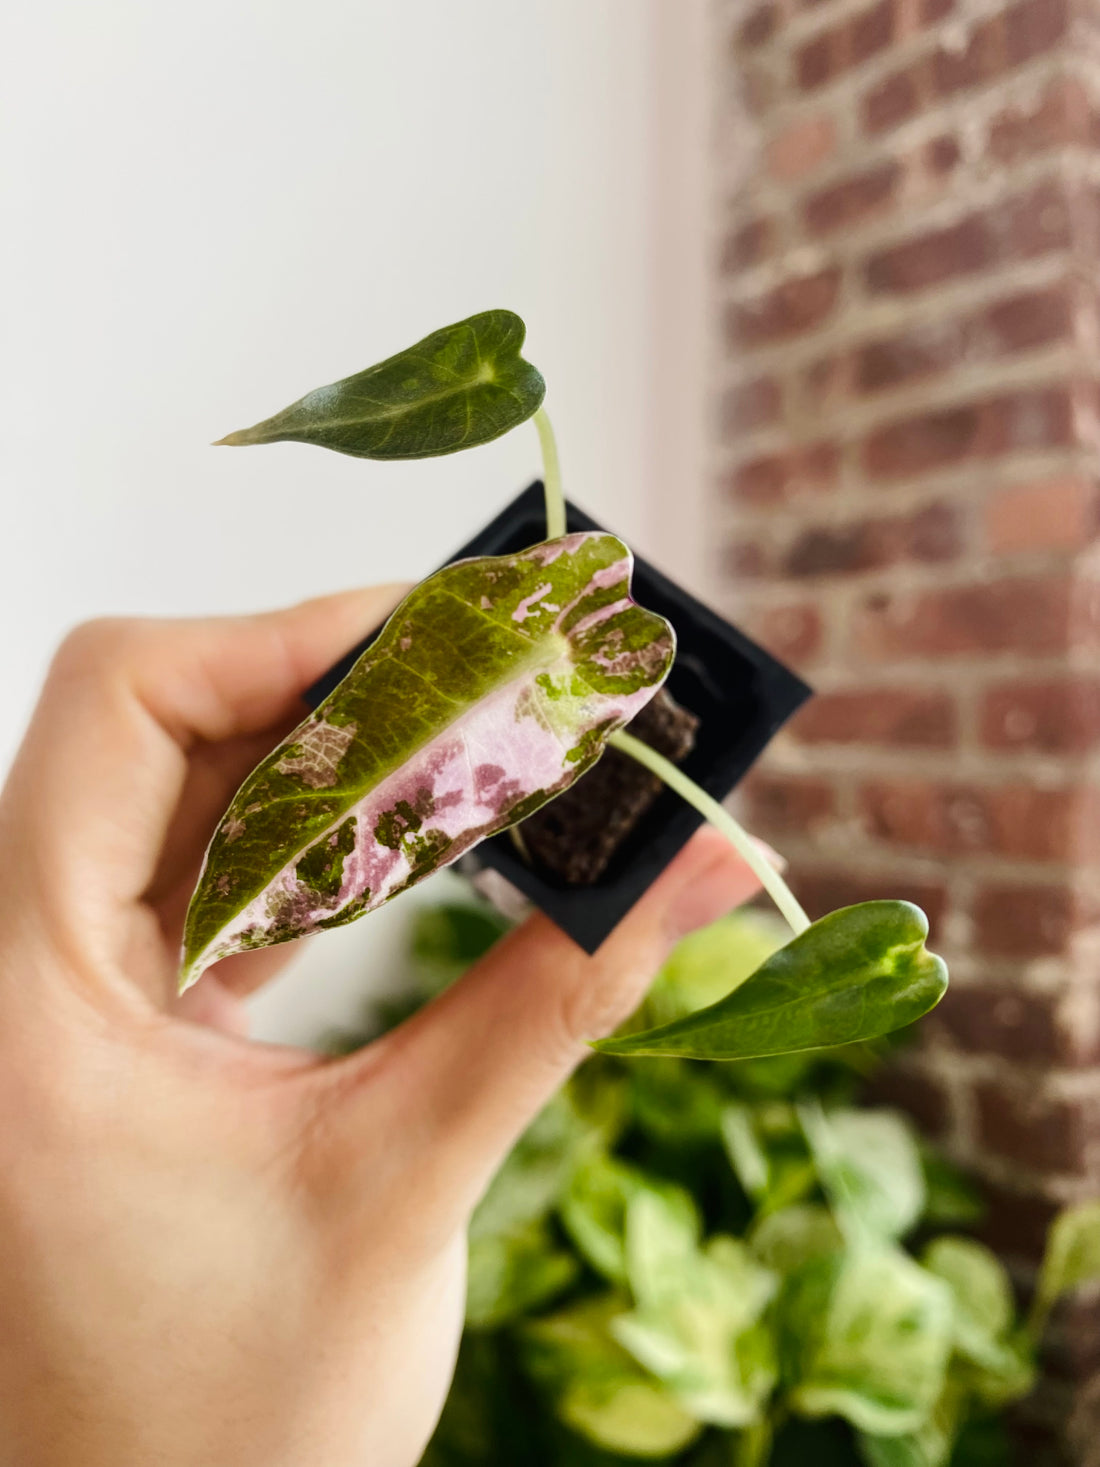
{"points": [[322, 866], [394, 825]]}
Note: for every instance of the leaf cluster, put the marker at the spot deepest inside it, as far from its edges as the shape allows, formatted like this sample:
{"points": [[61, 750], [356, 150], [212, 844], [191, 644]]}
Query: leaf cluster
{"points": [[731, 1264]]}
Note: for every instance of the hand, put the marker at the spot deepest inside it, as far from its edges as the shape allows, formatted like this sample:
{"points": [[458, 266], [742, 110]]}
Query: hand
{"points": [[215, 1252]]}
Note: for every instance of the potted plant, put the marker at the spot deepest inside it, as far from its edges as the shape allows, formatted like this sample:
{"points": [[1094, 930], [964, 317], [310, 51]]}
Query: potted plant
{"points": [[495, 686]]}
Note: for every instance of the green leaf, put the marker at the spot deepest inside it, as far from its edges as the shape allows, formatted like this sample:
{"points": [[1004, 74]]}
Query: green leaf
{"points": [[677, 1100], [510, 1275], [985, 1310], [493, 686], [1072, 1258], [929, 1446], [870, 1169], [710, 963], [598, 1388], [593, 1211], [866, 1335], [859, 972], [787, 1240], [698, 1325], [459, 387], [747, 1156]]}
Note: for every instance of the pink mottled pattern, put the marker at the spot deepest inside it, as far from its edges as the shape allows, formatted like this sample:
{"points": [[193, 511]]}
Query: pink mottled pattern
{"points": [[464, 784]]}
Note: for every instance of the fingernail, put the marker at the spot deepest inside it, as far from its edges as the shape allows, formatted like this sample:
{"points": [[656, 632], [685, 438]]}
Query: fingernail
{"points": [[770, 854]]}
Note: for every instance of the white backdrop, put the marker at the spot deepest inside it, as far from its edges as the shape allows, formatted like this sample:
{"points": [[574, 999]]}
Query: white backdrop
{"points": [[212, 208]]}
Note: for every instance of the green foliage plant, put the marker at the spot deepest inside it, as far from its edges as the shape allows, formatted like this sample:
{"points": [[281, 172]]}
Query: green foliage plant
{"points": [[732, 1265], [496, 684]]}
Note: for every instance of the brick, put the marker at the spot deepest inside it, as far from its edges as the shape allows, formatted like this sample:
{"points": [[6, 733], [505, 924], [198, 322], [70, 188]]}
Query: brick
{"points": [[1023, 322], [906, 1088], [1058, 513], [910, 355], [1041, 1132], [779, 478], [747, 560], [793, 633], [947, 437], [931, 12], [824, 891], [1017, 821], [780, 802], [1014, 921], [759, 26], [1012, 1023], [1034, 27], [1029, 615], [848, 44], [871, 31], [898, 717], [796, 306], [802, 147], [1022, 228], [1062, 116], [1029, 319], [751, 405], [1016, 1223], [942, 155], [981, 60], [929, 534], [1055, 716], [817, 61], [893, 101], [748, 245], [960, 249], [845, 204]]}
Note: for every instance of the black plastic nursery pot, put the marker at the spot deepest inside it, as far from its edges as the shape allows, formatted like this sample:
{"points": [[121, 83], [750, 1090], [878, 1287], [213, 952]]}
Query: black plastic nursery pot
{"points": [[740, 694]]}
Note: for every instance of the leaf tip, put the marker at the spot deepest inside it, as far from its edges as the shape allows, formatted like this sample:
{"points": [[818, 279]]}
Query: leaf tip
{"points": [[232, 440]]}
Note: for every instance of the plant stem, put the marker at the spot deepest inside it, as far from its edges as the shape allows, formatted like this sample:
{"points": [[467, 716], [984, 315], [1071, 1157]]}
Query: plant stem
{"points": [[551, 477], [722, 820]]}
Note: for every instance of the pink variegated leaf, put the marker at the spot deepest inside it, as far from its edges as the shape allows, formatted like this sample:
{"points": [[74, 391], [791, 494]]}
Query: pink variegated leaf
{"points": [[494, 685]]}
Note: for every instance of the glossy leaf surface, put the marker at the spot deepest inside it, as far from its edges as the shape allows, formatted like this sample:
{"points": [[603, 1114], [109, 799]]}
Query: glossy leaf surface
{"points": [[493, 686], [463, 385], [857, 973]]}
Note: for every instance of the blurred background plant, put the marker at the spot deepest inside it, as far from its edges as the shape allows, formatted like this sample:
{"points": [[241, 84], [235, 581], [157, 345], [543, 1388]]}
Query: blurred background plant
{"points": [[729, 1264]]}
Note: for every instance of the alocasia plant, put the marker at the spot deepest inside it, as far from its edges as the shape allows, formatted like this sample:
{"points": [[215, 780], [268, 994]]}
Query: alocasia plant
{"points": [[493, 687]]}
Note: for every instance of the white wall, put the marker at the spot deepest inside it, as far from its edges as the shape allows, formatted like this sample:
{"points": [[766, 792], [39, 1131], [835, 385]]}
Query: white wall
{"points": [[214, 207]]}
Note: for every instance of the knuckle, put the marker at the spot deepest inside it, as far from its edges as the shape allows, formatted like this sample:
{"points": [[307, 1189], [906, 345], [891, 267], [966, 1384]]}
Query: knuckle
{"points": [[596, 1006], [95, 645]]}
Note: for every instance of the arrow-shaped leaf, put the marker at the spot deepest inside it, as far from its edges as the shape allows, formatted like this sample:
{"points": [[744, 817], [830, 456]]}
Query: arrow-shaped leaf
{"points": [[857, 973], [493, 686], [463, 385]]}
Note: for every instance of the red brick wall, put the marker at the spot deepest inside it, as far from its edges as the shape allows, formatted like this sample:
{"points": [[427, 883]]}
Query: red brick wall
{"points": [[908, 510]]}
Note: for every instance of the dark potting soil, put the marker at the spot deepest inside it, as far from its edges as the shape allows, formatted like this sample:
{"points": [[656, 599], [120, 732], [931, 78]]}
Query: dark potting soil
{"points": [[575, 837]]}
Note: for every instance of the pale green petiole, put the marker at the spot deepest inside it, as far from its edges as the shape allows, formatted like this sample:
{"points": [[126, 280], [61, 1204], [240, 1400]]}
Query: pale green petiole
{"points": [[722, 820], [663, 768], [551, 477]]}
